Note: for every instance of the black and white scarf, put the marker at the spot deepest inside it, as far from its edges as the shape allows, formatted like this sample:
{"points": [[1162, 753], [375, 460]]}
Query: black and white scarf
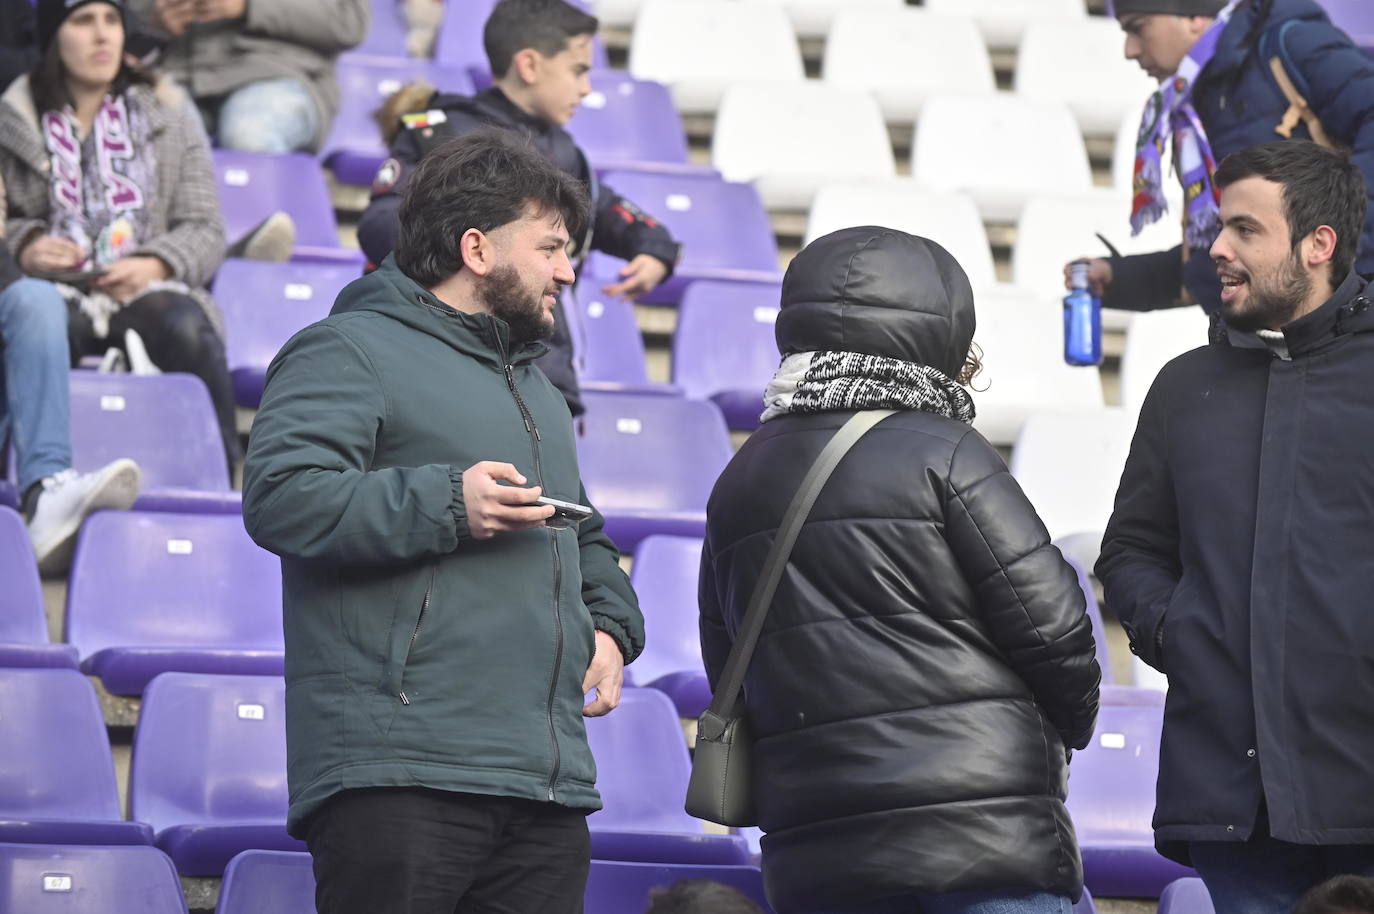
{"points": [[813, 382]]}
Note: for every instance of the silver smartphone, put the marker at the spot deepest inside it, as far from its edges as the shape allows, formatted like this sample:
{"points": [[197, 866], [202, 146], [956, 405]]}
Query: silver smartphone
{"points": [[565, 513]]}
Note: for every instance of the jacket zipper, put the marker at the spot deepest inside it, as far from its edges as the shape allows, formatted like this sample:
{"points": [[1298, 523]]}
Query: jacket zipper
{"points": [[533, 431], [420, 620]]}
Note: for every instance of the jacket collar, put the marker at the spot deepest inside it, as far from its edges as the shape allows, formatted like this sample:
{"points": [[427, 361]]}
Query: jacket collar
{"points": [[1346, 311], [391, 292], [496, 101]]}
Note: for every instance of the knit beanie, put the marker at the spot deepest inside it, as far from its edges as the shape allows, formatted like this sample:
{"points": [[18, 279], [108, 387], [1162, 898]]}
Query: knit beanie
{"points": [[1168, 7], [52, 13]]}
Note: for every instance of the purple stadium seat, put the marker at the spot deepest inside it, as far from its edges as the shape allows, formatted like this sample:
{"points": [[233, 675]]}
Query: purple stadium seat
{"points": [[607, 345], [252, 186], [9, 498], [153, 592], [724, 349], [49, 879], [23, 626], [1095, 617], [459, 43], [628, 120], [1186, 896], [354, 150], [58, 785], [614, 887], [264, 304], [649, 462], [642, 768], [1356, 17], [386, 37], [166, 423], [724, 229], [268, 882], [209, 768], [1112, 799], [665, 577]]}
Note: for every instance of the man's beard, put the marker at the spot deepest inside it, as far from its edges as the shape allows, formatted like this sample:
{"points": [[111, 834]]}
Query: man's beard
{"points": [[509, 299], [1274, 302]]}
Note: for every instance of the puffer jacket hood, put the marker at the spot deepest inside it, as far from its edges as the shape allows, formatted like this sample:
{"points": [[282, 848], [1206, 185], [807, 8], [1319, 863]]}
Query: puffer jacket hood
{"points": [[878, 291]]}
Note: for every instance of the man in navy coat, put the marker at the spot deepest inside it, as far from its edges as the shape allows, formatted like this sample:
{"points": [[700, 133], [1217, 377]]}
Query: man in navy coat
{"points": [[1240, 554], [1239, 102]]}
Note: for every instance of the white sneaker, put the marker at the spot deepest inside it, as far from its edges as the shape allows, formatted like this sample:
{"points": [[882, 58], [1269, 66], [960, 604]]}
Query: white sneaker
{"points": [[272, 241], [67, 499]]}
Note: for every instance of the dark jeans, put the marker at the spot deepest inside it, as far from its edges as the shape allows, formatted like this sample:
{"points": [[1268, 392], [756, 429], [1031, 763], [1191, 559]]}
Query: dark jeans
{"points": [[417, 851], [1266, 876], [179, 337]]}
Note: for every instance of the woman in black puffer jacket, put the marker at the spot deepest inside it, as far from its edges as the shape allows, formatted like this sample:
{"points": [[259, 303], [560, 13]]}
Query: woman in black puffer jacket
{"points": [[927, 660]]}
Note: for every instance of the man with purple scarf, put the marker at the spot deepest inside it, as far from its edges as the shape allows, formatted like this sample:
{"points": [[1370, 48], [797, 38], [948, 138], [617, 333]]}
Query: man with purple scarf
{"points": [[1221, 92]]}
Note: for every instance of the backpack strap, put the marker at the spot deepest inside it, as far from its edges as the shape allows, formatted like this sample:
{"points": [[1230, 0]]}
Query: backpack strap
{"points": [[1299, 109]]}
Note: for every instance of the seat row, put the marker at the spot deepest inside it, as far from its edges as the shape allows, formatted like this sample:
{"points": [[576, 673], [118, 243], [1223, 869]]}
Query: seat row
{"points": [[48, 879], [208, 778], [900, 54], [55, 879]]}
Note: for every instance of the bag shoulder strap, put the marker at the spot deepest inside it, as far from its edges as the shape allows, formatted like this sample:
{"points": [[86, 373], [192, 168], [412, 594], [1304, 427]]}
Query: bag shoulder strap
{"points": [[1299, 108], [732, 677]]}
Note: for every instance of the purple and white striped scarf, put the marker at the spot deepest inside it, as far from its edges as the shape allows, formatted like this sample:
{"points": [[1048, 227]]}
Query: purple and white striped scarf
{"points": [[1170, 112], [104, 213]]}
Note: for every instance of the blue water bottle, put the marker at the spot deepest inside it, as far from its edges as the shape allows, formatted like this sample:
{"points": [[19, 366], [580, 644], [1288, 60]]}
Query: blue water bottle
{"points": [[1082, 319]]}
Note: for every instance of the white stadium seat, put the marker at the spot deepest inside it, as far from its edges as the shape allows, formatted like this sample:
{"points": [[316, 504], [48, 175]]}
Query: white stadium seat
{"points": [[1022, 339], [1153, 339], [1000, 148], [790, 138], [1081, 63], [904, 56], [1004, 21], [951, 220], [700, 47], [814, 18], [1069, 465]]}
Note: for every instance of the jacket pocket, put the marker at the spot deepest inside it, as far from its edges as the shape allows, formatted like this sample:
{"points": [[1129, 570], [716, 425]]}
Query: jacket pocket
{"points": [[406, 630]]}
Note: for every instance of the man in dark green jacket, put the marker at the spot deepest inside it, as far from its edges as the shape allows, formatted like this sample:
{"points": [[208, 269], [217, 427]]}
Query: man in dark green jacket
{"points": [[441, 631]]}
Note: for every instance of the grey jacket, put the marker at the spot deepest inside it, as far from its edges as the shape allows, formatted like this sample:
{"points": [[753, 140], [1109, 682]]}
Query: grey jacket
{"points": [[276, 39], [186, 229]]}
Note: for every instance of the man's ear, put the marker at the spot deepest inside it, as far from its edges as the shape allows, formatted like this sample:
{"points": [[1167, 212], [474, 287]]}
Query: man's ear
{"points": [[1320, 246], [1199, 24], [476, 250], [526, 65]]}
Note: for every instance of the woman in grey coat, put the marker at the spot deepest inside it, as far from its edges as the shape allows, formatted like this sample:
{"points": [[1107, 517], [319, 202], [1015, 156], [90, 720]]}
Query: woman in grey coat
{"points": [[111, 195]]}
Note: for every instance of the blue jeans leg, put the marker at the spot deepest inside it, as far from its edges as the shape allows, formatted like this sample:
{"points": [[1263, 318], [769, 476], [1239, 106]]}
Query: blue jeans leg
{"points": [[1267, 876], [996, 902], [274, 116], [34, 402]]}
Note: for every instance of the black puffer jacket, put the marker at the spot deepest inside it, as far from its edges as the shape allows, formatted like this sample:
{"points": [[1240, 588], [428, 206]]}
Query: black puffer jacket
{"points": [[927, 657]]}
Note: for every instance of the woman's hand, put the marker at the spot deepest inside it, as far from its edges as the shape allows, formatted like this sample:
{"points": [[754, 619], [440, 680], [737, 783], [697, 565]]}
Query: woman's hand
{"points": [[48, 254], [126, 278]]}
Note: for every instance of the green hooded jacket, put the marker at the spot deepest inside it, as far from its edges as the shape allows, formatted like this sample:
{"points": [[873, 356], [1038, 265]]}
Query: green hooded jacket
{"points": [[415, 654]]}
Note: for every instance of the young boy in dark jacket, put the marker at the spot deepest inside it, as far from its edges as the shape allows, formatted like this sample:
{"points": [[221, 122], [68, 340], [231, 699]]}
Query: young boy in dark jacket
{"points": [[540, 53]]}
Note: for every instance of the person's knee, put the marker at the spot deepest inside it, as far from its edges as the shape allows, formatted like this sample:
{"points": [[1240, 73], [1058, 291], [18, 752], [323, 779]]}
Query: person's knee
{"points": [[273, 116], [185, 334], [31, 309]]}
